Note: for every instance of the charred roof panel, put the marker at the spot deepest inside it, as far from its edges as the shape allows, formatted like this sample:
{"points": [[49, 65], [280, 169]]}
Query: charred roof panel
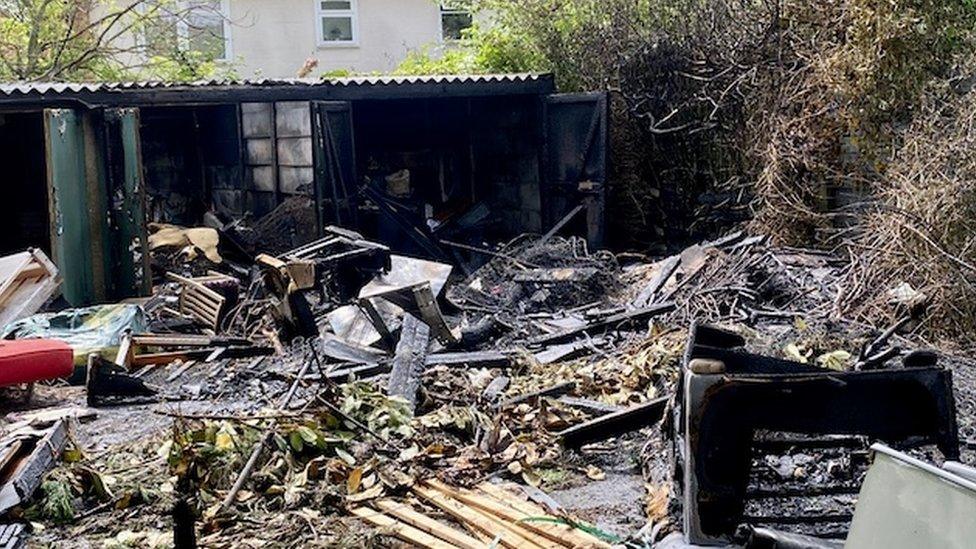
{"points": [[217, 91]]}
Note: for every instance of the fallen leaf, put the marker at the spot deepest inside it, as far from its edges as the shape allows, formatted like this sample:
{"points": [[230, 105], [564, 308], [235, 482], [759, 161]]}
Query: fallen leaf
{"points": [[595, 473], [531, 478], [372, 493], [355, 478]]}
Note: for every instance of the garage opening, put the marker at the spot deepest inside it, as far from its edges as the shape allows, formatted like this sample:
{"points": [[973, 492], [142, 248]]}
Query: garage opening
{"points": [[24, 217], [192, 161], [465, 168]]}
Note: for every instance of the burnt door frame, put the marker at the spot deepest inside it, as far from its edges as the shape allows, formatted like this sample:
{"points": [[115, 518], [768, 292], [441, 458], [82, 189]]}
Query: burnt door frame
{"points": [[334, 156], [125, 184], [575, 166]]}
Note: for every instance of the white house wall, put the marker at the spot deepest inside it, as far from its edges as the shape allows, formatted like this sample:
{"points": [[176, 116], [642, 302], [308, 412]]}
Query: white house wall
{"points": [[273, 38]]}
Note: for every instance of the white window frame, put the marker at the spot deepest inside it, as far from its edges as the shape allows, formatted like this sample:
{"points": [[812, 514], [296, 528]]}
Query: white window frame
{"points": [[352, 13], [445, 9]]}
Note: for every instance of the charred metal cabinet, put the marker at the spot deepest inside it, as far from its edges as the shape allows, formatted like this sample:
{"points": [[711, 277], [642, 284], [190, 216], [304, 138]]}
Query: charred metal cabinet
{"points": [[575, 159], [335, 163], [95, 199]]}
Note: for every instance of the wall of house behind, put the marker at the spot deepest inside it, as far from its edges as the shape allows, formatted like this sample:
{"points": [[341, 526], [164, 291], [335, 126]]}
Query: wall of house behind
{"points": [[274, 38]]}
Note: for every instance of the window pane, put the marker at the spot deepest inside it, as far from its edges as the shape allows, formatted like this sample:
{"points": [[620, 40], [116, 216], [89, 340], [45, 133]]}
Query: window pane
{"points": [[453, 23], [208, 40], [337, 29], [336, 5], [160, 34]]}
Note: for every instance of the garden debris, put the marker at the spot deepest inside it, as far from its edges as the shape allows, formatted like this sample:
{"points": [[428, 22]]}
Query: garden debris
{"points": [[342, 385]]}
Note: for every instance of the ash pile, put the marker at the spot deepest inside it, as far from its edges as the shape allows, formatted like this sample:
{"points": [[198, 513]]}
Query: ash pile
{"points": [[543, 395]]}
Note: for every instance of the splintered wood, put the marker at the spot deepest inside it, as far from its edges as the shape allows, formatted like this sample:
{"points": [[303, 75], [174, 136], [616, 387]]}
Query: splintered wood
{"points": [[492, 515], [27, 281]]}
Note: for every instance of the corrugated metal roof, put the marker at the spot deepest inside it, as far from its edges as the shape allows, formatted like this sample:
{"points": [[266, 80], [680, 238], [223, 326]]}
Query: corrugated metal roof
{"points": [[16, 89]]}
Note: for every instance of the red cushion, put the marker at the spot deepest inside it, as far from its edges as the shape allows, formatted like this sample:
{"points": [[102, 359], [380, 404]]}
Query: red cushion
{"points": [[29, 360]]}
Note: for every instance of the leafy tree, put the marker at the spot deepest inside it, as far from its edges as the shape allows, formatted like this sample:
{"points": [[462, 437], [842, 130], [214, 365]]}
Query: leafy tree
{"points": [[103, 40]]}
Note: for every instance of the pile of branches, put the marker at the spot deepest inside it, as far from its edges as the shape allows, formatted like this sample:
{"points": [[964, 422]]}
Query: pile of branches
{"points": [[919, 232]]}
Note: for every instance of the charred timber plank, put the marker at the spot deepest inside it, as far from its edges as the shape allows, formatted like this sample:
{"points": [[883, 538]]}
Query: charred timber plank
{"points": [[668, 267], [612, 321], [359, 372], [409, 360], [592, 407], [617, 423], [200, 354], [476, 359], [42, 459], [550, 391]]}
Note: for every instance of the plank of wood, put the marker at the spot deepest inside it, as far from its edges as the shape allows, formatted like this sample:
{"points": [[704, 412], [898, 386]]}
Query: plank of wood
{"points": [[539, 535], [30, 280], [576, 537], [409, 360], [473, 359], [180, 371], [509, 536], [649, 293], [27, 477], [50, 415], [552, 390], [124, 355], [617, 423], [411, 516], [589, 406], [399, 529], [612, 321], [565, 351]]}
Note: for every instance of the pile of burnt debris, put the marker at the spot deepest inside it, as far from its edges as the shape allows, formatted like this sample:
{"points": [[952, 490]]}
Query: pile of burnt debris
{"points": [[338, 393]]}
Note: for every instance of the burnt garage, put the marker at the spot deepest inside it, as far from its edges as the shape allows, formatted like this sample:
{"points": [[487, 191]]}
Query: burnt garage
{"points": [[416, 162]]}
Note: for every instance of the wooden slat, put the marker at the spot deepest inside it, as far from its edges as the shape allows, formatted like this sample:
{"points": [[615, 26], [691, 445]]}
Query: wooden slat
{"points": [[402, 531], [498, 509], [409, 515], [509, 535], [576, 537]]}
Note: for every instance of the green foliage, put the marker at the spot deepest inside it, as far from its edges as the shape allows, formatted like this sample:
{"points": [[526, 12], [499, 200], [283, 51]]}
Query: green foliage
{"points": [[74, 40], [482, 50]]}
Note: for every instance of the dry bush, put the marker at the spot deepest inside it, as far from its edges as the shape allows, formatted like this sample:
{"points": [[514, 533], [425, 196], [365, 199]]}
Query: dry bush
{"points": [[921, 228], [849, 75]]}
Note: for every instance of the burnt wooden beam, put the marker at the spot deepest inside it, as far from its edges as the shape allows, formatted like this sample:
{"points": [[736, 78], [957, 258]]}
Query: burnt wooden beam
{"points": [[614, 424], [474, 359], [359, 372], [29, 463], [410, 360], [589, 406], [550, 391], [625, 318]]}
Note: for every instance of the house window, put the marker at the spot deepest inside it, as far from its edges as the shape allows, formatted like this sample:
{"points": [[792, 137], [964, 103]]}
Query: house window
{"points": [[336, 22], [188, 25], [455, 18], [205, 28]]}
